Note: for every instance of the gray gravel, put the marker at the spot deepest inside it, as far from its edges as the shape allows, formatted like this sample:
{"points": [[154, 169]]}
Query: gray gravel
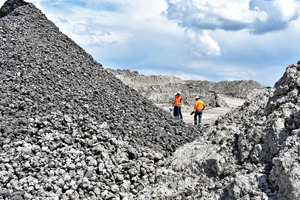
{"points": [[160, 89], [252, 152], [71, 130]]}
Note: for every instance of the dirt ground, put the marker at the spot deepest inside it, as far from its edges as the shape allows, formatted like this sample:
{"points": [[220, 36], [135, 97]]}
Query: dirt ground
{"points": [[210, 115]]}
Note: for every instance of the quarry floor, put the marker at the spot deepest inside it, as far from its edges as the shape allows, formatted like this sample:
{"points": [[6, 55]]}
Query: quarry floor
{"points": [[210, 115]]}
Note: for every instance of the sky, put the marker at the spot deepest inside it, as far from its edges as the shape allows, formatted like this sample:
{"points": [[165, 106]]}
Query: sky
{"points": [[214, 40]]}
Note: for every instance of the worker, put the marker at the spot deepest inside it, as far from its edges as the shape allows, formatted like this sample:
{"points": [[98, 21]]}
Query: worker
{"points": [[198, 109], [178, 105]]}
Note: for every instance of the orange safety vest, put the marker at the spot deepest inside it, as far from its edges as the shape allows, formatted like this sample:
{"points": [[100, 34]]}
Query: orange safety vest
{"points": [[199, 105], [178, 101]]}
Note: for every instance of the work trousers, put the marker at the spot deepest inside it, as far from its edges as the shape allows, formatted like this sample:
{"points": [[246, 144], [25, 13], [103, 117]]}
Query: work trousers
{"points": [[199, 114], [177, 111]]}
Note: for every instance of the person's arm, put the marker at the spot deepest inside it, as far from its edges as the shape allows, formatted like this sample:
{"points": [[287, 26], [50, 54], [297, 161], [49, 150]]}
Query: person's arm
{"points": [[203, 106]]}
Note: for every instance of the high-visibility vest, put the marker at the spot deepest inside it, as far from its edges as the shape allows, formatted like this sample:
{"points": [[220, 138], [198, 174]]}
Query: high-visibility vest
{"points": [[178, 101], [199, 105]]}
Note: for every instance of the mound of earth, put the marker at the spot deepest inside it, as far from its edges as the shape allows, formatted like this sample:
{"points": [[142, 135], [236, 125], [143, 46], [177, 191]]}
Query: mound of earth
{"points": [[160, 89], [71, 130], [219, 97], [252, 152]]}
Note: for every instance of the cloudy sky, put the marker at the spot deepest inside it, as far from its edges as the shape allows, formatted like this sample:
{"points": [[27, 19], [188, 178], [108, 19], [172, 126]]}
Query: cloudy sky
{"points": [[211, 40]]}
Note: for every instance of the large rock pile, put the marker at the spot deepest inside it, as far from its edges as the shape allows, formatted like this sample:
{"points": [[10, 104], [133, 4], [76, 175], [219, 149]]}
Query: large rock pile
{"points": [[251, 153], [160, 89], [69, 129]]}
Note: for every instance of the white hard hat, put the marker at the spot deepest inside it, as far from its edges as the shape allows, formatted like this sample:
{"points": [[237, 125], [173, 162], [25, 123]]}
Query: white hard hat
{"points": [[197, 97], [178, 92]]}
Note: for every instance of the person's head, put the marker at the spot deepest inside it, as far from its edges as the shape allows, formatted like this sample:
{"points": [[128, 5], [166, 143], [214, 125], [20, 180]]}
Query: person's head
{"points": [[178, 93], [197, 97]]}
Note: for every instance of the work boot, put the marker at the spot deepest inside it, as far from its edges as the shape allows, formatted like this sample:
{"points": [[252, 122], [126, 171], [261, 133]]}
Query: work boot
{"points": [[199, 124]]}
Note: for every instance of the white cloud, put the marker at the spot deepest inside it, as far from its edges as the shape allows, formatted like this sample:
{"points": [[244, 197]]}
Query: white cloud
{"points": [[105, 38], [1, 2], [207, 14], [87, 31], [113, 21], [234, 14], [234, 10], [197, 17], [288, 9], [201, 18], [203, 43], [36, 3]]}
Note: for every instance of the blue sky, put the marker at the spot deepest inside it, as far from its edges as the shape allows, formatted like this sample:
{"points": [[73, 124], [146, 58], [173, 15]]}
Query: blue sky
{"points": [[215, 40]]}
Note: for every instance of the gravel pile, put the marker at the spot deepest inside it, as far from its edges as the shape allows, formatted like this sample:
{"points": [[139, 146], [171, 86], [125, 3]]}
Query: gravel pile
{"points": [[160, 89], [71, 130], [253, 152], [68, 128]]}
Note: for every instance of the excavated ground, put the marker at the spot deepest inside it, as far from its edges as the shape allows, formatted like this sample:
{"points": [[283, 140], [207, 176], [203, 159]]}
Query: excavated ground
{"points": [[219, 97], [160, 89], [210, 114], [70, 130]]}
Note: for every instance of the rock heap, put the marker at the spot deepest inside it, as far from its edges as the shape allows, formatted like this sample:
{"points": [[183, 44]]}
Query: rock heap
{"points": [[160, 89], [69, 129], [253, 152]]}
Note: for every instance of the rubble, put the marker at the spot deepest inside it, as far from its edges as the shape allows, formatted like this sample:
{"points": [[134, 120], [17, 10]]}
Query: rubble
{"points": [[70, 130], [252, 152], [161, 88]]}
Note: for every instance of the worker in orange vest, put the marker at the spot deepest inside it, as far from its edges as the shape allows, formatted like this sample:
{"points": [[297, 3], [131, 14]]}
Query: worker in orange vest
{"points": [[198, 109], [178, 105]]}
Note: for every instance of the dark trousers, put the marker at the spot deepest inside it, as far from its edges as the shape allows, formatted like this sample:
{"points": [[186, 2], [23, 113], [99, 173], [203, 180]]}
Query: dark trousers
{"points": [[199, 114], [177, 111]]}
